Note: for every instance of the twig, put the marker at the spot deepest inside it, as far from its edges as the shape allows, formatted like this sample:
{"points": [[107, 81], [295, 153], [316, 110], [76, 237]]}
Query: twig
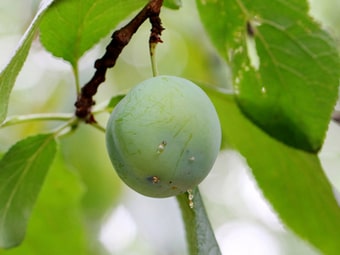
{"points": [[120, 39], [155, 38]]}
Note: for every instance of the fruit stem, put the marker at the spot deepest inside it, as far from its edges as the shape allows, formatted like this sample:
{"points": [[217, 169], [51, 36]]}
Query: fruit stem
{"points": [[152, 48], [200, 234]]}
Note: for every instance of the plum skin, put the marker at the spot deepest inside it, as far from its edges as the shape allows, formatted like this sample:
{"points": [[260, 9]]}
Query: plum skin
{"points": [[163, 137]]}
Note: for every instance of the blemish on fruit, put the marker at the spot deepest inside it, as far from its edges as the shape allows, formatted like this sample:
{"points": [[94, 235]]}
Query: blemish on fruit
{"points": [[192, 159], [154, 179], [190, 198], [161, 147]]}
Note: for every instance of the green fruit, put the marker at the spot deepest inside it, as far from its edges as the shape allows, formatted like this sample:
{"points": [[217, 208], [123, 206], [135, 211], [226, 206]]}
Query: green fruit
{"points": [[163, 137]]}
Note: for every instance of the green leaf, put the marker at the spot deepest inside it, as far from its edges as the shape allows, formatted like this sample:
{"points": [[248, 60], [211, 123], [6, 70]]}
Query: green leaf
{"points": [[103, 187], [72, 27], [200, 235], [173, 4], [22, 172], [285, 68], [292, 180], [56, 224], [114, 101], [11, 71]]}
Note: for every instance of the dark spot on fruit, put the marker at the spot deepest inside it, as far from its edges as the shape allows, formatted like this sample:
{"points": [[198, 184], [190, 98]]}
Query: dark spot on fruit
{"points": [[154, 179]]}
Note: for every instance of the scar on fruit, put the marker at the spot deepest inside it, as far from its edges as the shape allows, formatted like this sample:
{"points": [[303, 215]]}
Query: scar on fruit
{"points": [[161, 147], [190, 198], [154, 179]]}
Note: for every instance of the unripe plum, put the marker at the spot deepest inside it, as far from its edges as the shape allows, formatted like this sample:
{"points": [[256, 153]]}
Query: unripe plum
{"points": [[163, 137]]}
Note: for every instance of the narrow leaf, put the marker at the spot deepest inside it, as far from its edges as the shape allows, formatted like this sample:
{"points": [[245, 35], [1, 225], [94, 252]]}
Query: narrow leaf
{"points": [[292, 180], [11, 71], [72, 27], [200, 235], [285, 68], [22, 172]]}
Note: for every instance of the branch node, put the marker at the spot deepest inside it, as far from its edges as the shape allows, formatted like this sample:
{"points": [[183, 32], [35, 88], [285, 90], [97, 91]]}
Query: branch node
{"points": [[120, 39]]}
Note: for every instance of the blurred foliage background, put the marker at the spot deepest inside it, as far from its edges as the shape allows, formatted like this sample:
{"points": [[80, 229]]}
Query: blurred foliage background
{"points": [[84, 208]]}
